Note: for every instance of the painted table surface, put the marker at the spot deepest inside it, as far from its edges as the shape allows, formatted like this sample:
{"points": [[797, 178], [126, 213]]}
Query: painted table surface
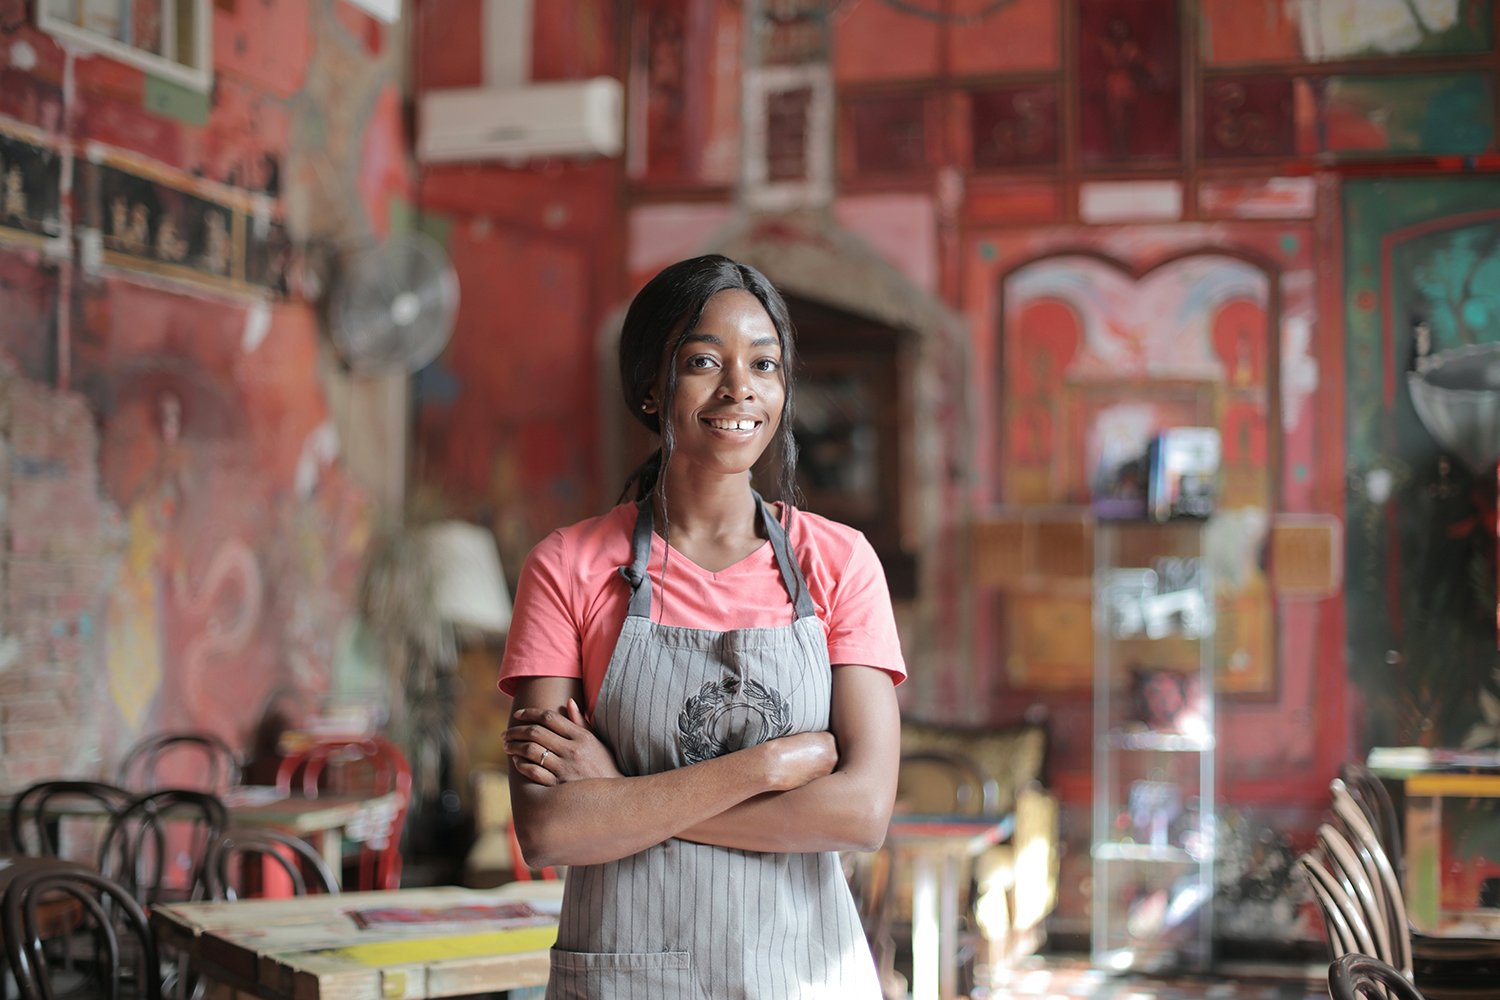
{"points": [[937, 847], [309, 948], [1426, 785]]}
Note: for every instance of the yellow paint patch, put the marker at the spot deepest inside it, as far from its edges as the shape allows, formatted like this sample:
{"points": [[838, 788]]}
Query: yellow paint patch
{"points": [[416, 951]]}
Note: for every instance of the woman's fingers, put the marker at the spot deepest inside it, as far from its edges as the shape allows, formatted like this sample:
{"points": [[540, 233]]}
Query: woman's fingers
{"points": [[532, 760], [551, 719]]}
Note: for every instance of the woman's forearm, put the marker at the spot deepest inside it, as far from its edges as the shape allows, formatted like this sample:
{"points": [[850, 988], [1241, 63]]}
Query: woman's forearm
{"points": [[836, 813], [603, 819]]}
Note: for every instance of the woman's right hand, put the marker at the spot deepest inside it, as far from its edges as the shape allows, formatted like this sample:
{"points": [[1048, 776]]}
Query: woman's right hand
{"points": [[793, 761]]}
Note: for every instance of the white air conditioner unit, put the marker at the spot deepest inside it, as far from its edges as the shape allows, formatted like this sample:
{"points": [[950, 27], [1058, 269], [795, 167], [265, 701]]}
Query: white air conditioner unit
{"points": [[565, 118]]}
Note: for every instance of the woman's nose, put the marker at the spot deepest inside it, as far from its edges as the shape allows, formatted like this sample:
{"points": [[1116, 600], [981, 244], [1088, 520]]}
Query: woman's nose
{"points": [[735, 383]]}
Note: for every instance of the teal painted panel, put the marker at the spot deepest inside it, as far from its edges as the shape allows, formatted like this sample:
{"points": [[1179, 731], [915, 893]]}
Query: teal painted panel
{"points": [[1420, 559], [1440, 114]]}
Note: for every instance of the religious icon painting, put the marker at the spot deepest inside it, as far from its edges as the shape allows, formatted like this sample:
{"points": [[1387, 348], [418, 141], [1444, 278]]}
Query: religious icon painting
{"points": [[1129, 83]]}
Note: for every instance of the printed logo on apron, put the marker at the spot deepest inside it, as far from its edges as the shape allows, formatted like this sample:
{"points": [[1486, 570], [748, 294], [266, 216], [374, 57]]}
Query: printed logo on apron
{"points": [[729, 715]]}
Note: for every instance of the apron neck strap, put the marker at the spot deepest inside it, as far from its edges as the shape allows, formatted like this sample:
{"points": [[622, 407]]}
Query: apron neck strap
{"points": [[640, 581]]}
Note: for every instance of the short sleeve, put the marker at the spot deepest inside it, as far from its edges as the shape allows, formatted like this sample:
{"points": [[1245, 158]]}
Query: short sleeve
{"points": [[861, 623], [544, 639]]}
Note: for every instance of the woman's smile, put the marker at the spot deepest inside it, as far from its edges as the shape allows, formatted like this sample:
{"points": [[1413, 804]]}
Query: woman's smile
{"points": [[727, 400]]}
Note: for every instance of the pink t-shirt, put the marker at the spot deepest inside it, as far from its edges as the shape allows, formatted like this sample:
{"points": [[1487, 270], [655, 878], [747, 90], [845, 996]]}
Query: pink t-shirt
{"points": [[571, 599]]}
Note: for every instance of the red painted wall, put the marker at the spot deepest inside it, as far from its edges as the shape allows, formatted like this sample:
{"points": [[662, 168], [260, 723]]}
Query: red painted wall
{"points": [[183, 541]]}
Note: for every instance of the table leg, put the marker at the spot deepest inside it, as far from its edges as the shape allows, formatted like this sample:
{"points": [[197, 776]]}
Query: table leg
{"points": [[333, 853], [925, 928], [948, 928]]}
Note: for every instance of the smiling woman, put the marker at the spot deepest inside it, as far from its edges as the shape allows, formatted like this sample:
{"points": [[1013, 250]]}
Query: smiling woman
{"points": [[735, 663]]}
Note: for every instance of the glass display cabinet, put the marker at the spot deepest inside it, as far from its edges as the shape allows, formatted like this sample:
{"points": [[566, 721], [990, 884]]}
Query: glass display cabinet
{"points": [[1153, 837]]}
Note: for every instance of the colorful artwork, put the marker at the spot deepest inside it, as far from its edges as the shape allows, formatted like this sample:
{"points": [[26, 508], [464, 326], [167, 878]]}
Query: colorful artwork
{"points": [[1419, 256], [150, 224], [1441, 113], [1129, 82], [889, 133], [30, 188], [1245, 117], [1238, 33], [1014, 126], [1096, 360]]}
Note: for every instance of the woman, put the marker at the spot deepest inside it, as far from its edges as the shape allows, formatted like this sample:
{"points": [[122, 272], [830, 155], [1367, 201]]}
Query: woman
{"points": [[737, 662]]}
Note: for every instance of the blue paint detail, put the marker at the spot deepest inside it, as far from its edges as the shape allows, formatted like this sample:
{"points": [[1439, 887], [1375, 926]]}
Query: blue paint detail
{"points": [[1299, 473], [436, 385], [987, 250], [39, 468], [85, 626], [1290, 244]]}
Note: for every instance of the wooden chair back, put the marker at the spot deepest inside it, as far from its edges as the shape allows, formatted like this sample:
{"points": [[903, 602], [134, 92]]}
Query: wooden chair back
{"points": [[180, 760], [123, 960], [157, 847], [39, 811], [1364, 977], [231, 871]]}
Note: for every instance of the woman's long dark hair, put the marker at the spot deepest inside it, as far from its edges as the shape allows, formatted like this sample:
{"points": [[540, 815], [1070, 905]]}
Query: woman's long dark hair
{"points": [[667, 310]]}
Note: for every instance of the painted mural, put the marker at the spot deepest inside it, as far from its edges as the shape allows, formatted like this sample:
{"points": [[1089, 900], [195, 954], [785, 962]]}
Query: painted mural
{"points": [[1098, 359], [1235, 32], [203, 531], [1422, 259]]}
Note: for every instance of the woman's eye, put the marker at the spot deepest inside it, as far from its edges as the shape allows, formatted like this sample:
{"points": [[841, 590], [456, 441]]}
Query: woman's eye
{"points": [[767, 365], [700, 361]]}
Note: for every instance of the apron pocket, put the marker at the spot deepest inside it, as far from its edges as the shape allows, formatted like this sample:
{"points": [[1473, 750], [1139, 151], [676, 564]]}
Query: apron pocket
{"points": [[620, 975]]}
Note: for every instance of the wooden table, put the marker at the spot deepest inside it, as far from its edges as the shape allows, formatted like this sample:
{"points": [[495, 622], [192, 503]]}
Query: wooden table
{"points": [[308, 948], [1426, 785], [324, 820], [937, 848]]}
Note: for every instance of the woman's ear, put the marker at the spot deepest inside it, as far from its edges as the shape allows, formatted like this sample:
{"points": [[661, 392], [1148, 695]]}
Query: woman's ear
{"points": [[648, 405]]}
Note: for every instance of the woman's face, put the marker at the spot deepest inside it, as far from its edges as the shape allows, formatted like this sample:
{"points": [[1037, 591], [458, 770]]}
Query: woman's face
{"points": [[730, 389]]}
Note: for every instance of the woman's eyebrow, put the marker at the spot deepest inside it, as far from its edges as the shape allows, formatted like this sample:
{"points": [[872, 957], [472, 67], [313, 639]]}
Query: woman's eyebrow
{"points": [[709, 338]]}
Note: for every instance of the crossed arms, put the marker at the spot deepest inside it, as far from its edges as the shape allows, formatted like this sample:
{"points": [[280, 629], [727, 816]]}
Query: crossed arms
{"points": [[810, 792]]}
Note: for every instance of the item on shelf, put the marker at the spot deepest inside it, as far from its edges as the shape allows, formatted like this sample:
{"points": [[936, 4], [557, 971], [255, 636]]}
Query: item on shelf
{"points": [[1168, 701], [1182, 468], [1158, 602], [1154, 806]]}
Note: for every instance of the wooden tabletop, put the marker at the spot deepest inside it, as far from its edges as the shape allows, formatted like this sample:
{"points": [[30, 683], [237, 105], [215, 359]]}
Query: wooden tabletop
{"points": [[311, 948]]}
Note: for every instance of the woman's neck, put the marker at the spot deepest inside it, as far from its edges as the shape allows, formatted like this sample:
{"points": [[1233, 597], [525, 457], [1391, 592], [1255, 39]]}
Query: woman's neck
{"points": [[707, 507]]}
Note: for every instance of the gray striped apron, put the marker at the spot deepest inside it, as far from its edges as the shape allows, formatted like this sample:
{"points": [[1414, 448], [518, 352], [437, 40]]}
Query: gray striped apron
{"points": [[687, 921]]}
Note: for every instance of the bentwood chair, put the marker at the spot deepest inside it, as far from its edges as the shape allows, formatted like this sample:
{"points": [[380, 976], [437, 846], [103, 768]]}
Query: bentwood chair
{"points": [[180, 760], [157, 847], [1444, 968], [40, 816], [121, 959], [1363, 977], [362, 766], [239, 859]]}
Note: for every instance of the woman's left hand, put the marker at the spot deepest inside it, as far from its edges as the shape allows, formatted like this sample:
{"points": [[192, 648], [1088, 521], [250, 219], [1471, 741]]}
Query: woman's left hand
{"points": [[551, 747]]}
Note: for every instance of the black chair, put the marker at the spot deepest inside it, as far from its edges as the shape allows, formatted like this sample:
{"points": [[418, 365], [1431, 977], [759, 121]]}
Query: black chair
{"points": [[228, 877], [37, 812], [180, 760], [1370, 793], [1444, 968], [143, 845], [1361, 977], [122, 961]]}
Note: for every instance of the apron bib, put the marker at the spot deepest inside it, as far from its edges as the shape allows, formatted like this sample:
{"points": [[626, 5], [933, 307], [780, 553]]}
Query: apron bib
{"points": [[686, 921]]}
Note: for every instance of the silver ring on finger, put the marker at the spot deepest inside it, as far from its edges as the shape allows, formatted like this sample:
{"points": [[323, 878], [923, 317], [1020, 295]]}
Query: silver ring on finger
{"points": [[542, 760]]}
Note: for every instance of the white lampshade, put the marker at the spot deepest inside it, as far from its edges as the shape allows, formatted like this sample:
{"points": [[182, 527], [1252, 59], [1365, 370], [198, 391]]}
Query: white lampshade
{"points": [[469, 588]]}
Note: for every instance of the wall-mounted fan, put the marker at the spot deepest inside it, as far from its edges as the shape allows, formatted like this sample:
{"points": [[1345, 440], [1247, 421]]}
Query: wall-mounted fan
{"points": [[393, 305]]}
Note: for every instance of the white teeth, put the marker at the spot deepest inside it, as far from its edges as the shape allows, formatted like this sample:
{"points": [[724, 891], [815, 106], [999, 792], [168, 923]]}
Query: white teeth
{"points": [[732, 425]]}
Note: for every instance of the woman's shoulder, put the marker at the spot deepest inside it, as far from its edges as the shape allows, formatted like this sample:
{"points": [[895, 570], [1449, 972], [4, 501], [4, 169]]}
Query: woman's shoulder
{"points": [[580, 545], [833, 540]]}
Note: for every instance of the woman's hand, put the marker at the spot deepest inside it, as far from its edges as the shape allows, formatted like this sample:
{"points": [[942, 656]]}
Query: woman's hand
{"points": [[796, 760], [550, 747]]}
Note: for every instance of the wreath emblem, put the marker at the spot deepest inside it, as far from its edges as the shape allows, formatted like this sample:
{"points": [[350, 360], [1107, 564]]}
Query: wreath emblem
{"points": [[730, 715]]}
